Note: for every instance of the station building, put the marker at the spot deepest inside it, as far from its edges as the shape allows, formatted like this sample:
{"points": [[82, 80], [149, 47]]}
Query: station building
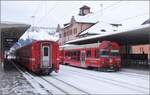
{"points": [[81, 22], [82, 26], [76, 25]]}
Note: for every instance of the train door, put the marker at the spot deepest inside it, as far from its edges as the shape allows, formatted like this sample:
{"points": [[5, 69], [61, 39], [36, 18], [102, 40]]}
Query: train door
{"points": [[46, 55], [83, 55]]}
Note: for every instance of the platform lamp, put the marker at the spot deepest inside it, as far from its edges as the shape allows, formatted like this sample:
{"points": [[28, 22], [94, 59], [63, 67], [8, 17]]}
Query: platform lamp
{"points": [[101, 11], [32, 17]]}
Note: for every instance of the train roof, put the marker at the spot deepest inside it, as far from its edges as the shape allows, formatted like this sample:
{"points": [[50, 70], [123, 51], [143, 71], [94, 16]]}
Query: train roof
{"points": [[35, 42], [69, 46]]}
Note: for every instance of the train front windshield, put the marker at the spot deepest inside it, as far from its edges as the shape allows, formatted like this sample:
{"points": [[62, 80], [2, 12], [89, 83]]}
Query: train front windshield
{"points": [[104, 53], [114, 52]]}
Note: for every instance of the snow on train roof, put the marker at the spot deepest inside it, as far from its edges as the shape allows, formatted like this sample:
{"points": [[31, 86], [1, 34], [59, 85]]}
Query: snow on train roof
{"points": [[70, 46], [39, 35]]}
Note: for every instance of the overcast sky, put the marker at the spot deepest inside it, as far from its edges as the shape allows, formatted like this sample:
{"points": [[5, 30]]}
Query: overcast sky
{"points": [[51, 13]]}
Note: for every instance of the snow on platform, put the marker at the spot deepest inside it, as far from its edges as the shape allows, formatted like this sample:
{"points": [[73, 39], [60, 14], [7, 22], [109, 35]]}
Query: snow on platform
{"points": [[13, 83]]}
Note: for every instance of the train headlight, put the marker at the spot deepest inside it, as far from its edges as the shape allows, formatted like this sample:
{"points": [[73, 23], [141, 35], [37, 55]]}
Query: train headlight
{"points": [[103, 62], [110, 60]]}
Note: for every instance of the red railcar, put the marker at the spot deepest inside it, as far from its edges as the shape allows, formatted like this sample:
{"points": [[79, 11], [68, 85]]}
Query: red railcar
{"points": [[39, 56], [98, 55]]}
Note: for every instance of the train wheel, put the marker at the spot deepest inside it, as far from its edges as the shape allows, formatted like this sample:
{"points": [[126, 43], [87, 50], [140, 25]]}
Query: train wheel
{"points": [[50, 71], [117, 69], [90, 68]]}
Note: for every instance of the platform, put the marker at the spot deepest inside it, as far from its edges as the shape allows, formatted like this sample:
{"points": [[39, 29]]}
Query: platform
{"points": [[12, 82]]}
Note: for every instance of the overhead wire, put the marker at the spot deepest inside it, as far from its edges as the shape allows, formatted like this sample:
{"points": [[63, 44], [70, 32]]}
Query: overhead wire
{"points": [[47, 14], [128, 18], [35, 11], [110, 6]]}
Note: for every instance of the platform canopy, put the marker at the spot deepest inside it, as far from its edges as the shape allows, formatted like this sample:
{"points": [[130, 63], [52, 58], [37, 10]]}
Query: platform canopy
{"points": [[10, 33], [136, 36]]}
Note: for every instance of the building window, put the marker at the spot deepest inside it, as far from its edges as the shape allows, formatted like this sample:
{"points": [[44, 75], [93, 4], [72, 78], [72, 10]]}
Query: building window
{"points": [[141, 50], [65, 34], [70, 32], [75, 30]]}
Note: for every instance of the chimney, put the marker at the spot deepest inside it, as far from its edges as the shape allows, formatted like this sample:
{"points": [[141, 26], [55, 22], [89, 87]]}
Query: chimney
{"points": [[84, 10]]}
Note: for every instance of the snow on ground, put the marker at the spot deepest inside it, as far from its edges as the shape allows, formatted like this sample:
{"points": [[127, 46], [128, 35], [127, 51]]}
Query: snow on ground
{"points": [[72, 80], [38, 88], [96, 82]]}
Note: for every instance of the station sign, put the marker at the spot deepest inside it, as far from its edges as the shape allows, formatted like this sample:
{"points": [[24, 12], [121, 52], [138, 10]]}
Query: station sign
{"points": [[8, 42]]}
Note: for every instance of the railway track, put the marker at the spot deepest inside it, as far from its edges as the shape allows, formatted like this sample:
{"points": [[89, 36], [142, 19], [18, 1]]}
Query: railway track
{"points": [[132, 75], [65, 86], [31, 78], [122, 84], [57, 85], [135, 75], [52, 85]]}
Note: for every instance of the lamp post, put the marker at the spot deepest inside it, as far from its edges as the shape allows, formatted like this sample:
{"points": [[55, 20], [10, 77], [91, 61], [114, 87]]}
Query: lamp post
{"points": [[32, 17], [101, 14]]}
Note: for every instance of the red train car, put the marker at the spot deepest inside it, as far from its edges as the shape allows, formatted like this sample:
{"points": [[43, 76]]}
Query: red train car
{"points": [[97, 55], [39, 56]]}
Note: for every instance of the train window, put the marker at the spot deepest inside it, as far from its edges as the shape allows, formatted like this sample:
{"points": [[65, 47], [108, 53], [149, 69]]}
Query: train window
{"points": [[74, 53], [104, 53], [45, 51], [96, 53], [68, 53], [88, 53], [114, 52], [78, 53]]}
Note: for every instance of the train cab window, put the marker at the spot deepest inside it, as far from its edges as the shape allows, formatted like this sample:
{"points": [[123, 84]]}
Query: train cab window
{"points": [[45, 51], [114, 52], [104, 53]]}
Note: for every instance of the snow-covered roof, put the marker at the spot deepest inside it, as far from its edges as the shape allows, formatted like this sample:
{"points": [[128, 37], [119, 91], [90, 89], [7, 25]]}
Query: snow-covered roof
{"points": [[95, 17], [86, 19], [100, 28], [7, 24], [85, 7], [146, 22], [139, 28], [66, 45]]}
